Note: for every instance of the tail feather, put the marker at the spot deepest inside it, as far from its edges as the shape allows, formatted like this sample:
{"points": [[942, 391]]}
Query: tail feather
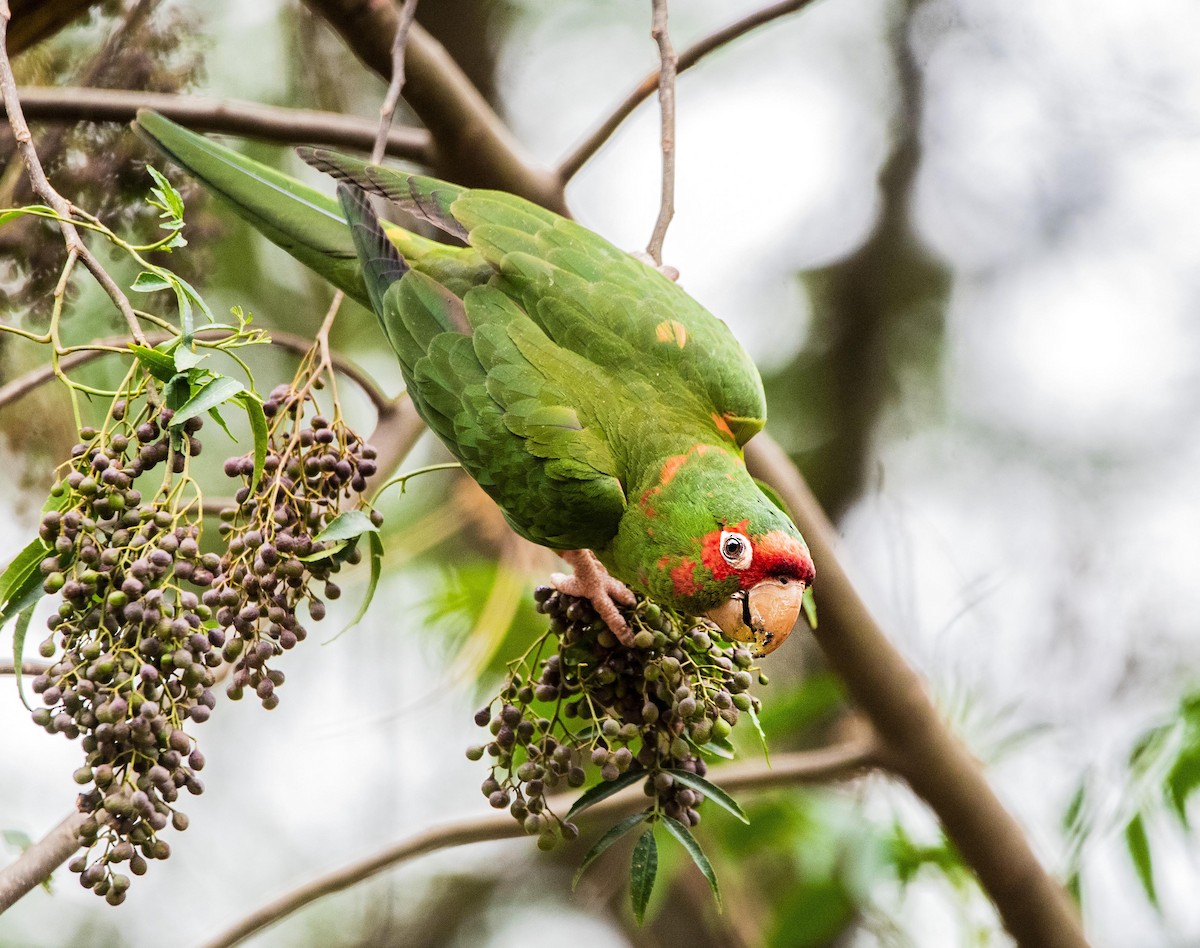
{"points": [[381, 262], [424, 198]]}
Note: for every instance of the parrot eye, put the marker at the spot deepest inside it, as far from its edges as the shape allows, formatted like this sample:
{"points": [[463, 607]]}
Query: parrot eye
{"points": [[736, 550]]}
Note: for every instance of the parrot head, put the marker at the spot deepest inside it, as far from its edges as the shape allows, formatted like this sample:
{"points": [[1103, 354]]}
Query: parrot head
{"points": [[708, 540]]}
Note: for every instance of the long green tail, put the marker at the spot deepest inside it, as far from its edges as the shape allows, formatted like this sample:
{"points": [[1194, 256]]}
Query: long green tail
{"points": [[306, 223]]}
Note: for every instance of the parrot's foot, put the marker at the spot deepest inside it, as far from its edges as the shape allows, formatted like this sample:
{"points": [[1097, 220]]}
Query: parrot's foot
{"points": [[671, 273], [592, 582]]}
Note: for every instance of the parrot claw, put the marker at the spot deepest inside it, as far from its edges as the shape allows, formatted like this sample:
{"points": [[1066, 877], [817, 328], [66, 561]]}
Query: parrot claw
{"points": [[671, 273], [591, 581]]}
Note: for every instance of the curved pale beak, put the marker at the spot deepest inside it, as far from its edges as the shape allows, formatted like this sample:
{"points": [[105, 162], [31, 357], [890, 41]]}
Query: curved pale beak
{"points": [[762, 616]]}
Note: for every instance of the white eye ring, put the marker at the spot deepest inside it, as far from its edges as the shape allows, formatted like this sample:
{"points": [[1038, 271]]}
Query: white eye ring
{"points": [[736, 549]]}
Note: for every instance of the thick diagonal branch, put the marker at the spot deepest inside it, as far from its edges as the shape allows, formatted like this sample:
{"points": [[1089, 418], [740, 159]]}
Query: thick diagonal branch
{"points": [[916, 744], [472, 144]]}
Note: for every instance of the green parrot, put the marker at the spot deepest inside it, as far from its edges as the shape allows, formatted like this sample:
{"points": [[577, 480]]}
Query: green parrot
{"points": [[601, 407]]}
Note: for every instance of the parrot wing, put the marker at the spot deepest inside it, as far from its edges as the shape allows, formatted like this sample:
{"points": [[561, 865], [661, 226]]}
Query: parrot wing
{"points": [[489, 383], [587, 296]]}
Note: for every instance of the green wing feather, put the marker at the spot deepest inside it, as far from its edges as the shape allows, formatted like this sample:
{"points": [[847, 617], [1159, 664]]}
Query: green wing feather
{"points": [[585, 294], [509, 418]]}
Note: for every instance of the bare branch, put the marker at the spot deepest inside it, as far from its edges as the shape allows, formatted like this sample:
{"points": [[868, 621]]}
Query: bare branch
{"points": [[8, 667], [37, 20], [42, 187], [644, 89], [666, 102], [840, 762], [230, 116], [388, 109], [473, 146], [34, 865], [916, 745]]}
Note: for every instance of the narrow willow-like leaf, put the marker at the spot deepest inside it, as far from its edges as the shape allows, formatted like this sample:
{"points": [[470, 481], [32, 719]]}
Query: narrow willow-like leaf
{"points": [[689, 842], [157, 363], [604, 842], [258, 425], [605, 790], [172, 199], [375, 554], [212, 393], [710, 790], [762, 735], [147, 282], [1138, 844], [643, 869], [19, 631], [346, 526], [810, 608], [186, 358]]}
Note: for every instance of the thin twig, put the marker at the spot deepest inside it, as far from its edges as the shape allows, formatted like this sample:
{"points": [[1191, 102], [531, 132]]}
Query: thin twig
{"points": [[42, 187], [644, 89], [26, 383], [806, 767], [229, 116], [388, 109], [473, 146], [915, 743], [666, 102], [8, 667], [35, 864]]}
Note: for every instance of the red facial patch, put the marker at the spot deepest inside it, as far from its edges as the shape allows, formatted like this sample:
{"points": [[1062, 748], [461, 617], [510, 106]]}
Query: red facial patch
{"points": [[775, 554], [684, 578]]}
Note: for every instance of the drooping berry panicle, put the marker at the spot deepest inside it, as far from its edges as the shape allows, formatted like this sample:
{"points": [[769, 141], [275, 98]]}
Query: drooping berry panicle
{"points": [[275, 560], [653, 708]]}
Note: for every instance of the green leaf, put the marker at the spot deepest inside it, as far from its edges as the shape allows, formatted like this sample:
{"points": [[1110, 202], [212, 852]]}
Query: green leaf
{"points": [[810, 608], [150, 282], [258, 425], [186, 359], [688, 841], [21, 582], [172, 201], [18, 839], [1182, 781], [718, 747], [604, 842], [762, 736], [215, 415], [605, 790], [19, 631], [375, 553], [216, 391], [157, 363], [643, 869], [812, 915], [710, 790], [1138, 845], [346, 526]]}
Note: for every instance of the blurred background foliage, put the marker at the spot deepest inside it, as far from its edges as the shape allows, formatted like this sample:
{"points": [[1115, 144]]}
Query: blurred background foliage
{"points": [[958, 237]]}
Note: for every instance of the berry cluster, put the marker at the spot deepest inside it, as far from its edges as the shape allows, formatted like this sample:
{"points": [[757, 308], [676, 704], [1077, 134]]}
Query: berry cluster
{"points": [[652, 708], [136, 656], [274, 560]]}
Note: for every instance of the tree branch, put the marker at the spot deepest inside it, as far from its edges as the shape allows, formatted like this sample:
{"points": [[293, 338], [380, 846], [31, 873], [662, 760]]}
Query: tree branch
{"points": [[229, 116], [916, 745], [472, 144], [388, 109], [8, 667], [668, 63], [24, 384], [76, 248], [36, 20], [644, 89], [34, 865], [806, 767]]}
